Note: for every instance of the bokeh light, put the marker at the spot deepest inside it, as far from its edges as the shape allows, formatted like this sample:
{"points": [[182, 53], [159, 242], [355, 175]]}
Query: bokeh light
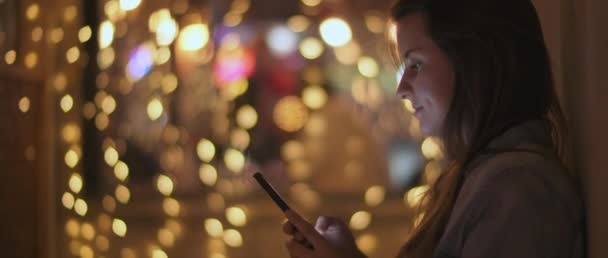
{"points": [[290, 114], [205, 150], [236, 216], [311, 48], [281, 40], [335, 32], [193, 37]]}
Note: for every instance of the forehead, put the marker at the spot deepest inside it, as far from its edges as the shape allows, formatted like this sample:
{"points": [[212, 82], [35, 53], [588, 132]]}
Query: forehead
{"points": [[411, 32]]}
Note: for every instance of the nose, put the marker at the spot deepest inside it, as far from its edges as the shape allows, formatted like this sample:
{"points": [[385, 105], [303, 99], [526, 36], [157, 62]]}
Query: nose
{"points": [[404, 88]]}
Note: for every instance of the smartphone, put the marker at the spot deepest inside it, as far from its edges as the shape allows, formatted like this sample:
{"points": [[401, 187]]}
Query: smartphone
{"points": [[278, 200], [270, 190]]}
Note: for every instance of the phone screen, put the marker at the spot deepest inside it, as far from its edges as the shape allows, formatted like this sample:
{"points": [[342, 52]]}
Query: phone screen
{"points": [[270, 190]]}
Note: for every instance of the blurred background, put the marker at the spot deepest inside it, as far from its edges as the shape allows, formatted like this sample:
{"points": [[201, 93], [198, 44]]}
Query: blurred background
{"points": [[131, 128]]}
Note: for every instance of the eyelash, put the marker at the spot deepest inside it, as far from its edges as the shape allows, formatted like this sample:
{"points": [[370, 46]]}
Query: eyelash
{"points": [[415, 66]]}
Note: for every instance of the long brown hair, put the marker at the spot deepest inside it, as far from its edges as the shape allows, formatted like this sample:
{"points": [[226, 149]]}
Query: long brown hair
{"points": [[502, 78]]}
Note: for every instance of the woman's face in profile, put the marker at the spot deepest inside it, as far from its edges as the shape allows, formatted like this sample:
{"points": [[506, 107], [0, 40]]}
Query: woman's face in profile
{"points": [[428, 78]]}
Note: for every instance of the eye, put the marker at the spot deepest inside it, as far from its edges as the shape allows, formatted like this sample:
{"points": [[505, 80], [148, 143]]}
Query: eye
{"points": [[415, 66]]}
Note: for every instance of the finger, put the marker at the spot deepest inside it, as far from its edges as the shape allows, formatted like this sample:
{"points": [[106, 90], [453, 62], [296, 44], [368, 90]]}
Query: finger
{"points": [[299, 237], [322, 224], [305, 228], [289, 228], [299, 250]]}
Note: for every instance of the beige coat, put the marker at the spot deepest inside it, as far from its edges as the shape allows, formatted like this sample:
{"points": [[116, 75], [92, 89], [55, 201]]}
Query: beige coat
{"points": [[518, 202]]}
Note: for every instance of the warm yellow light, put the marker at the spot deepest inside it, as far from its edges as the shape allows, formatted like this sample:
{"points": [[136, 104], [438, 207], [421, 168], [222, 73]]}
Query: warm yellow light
{"points": [[56, 35], [374, 195], [108, 203], [193, 37], [32, 11], [60, 82], [72, 228], [374, 23], [171, 207], [81, 207], [102, 243], [335, 32], [24, 104], [311, 48], [239, 138], [31, 60], [314, 97], [232, 19], [67, 199], [174, 226], [69, 14], [108, 105], [311, 3], [246, 117], [128, 5], [155, 109], [169, 83], [121, 171], [360, 220], [84, 34], [290, 114], [349, 53], [71, 158], [368, 67], [214, 227], [233, 238], [102, 121], [166, 237], [234, 159], [127, 253], [161, 56], [292, 150], [122, 194], [10, 57], [367, 243], [164, 184], [414, 196], [119, 227], [431, 149], [113, 11], [110, 156], [207, 174], [106, 34], [236, 216], [105, 58], [205, 150], [72, 55], [86, 252], [71, 133], [66, 103], [159, 253], [235, 88], [75, 183], [37, 34], [87, 231], [298, 23]]}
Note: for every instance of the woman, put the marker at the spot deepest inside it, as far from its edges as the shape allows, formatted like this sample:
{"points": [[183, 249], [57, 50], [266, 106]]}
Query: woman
{"points": [[479, 77]]}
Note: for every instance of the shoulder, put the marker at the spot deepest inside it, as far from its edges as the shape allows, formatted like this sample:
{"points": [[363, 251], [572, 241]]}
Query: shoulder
{"points": [[520, 179]]}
